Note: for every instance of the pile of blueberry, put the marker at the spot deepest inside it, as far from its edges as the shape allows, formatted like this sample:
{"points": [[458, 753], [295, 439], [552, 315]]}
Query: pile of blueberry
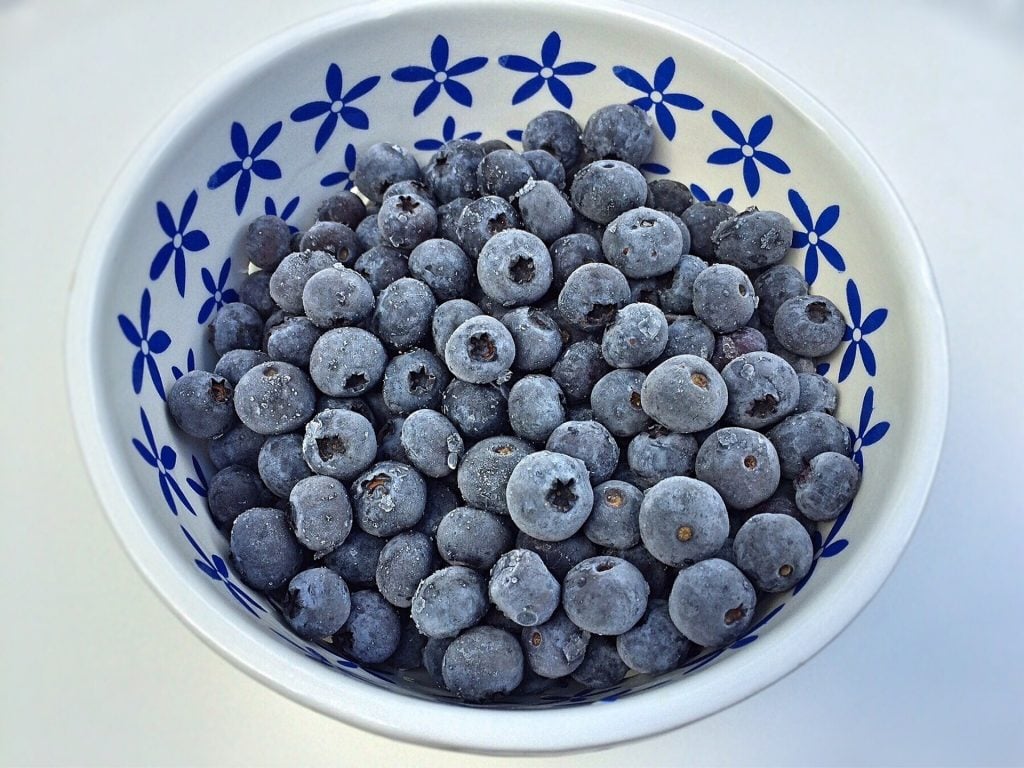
{"points": [[517, 416]]}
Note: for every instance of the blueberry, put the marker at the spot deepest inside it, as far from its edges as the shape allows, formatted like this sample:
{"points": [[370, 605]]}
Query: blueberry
{"points": [[816, 394], [523, 588], [317, 603], [432, 443], [549, 495], [337, 239], [656, 573], [443, 266], [483, 663], [546, 167], [355, 559], [403, 314], [433, 657], [448, 601], [535, 407], [723, 297], [572, 251], [604, 595], [481, 220], [729, 346], [554, 648], [602, 666], [581, 366], [763, 389], [654, 645], [292, 340], [620, 132], [337, 296], [657, 453], [389, 441], [774, 287], [493, 145], [237, 326], [544, 210], [688, 335], [404, 562], [381, 165], [558, 556], [409, 654], [774, 551], [478, 411], [345, 207], [685, 394], [202, 404], [827, 485], [591, 443], [449, 316], [480, 351], [503, 172], [615, 401], [643, 242], [604, 189], [368, 233], [585, 226], [441, 500], [264, 549], [381, 266], [234, 364], [452, 170], [683, 520], [675, 294], [613, 521], [346, 362], [233, 490], [485, 470], [592, 295], [448, 218], [239, 445], [802, 436], [281, 464], [752, 239], [267, 241], [668, 195], [388, 498], [800, 364], [289, 279], [555, 132], [472, 537], [274, 398], [372, 631], [537, 338], [321, 514], [255, 291], [637, 335], [811, 326], [339, 443], [712, 603], [701, 219], [514, 268], [741, 464], [405, 221]]}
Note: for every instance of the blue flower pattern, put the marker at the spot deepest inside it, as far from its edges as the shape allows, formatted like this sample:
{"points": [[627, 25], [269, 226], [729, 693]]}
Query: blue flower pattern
{"points": [[867, 433], [270, 209], [181, 239], [337, 106], [220, 293], [248, 164], [856, 334], [343, 176], [190, 365], [547, 71], [162, 459], [148, 344], [725, 196], [813, 236], [656, 94], [215, 567], [447, 134], [747, 149], [439, 75]]}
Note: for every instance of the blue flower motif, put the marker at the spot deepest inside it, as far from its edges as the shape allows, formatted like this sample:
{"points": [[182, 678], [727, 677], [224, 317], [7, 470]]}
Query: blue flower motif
{"points": [[546, 71], [516, 134], [655, 95], [270, 209], [824, 548], [182, 239], [338, 104], [190, 365], [215, 567], [199, 484], [867, 433], [856, 333], [344, 176], [657, 169], [148, 344], [813, 237], [248, 162], [220, 294], [439, 75], [312, 652], [447, 134], [747, 149], [725, 196], [162, 459]]}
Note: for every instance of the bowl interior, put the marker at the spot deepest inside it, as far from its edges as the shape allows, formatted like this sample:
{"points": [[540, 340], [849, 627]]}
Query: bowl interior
{"points": [[282, 131]]}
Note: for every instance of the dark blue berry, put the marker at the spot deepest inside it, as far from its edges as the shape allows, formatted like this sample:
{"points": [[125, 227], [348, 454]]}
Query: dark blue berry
{"points": [[811, 326], [802, 436], [643, 242], [605, 595], [337, 296], [602, 666], [503, 173], [723, 297], [514, 268], [403, 314], [571, 252], [317, 603], [448, 218], [409, 654], [451, 171], [606, 188], [281, 464], [549, 495], [657, 453], [614, 519], [741, 464], [729, 346], [346, 362], [405, 221], [405, 561], [292, 340], [827, 485], [675, 293], [233, 490], [669, 195], [236, 363], [774, 287], [712, 603], [355, 559], [267, 241], [472, 537], [481, 220], [483, 663], [381, 165], [441, 500], [274, 398], [255, 291], [537, 338], [485, 470], [337, 239], [433, 657], [544, 210], [656, 573], [591, 443], [523, 588], [701, 219], [752, 239], [620, 132], [443, 266], [448, 601], [685, 394], [592, 295], [637, 335], [381, 266], [687, 335], [202, 404], [432, 443], [683, 520], [654, 645], [555, 132], [535, 407], [389, 441], [264, 548], [388, 498], [449, 316], [579, 369], [321, 514], [239, 445], [774, 551], [615, 401], [556, 647], [372, 631], [237, 326], [763, 389], [339, 443], [344, 207], [546, 167], [816, 394], [368, 233], [289, 279], [480, 351], [558, 556]]}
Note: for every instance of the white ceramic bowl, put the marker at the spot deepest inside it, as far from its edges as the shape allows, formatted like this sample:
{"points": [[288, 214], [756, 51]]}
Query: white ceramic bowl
{"points": [[164, 252]]}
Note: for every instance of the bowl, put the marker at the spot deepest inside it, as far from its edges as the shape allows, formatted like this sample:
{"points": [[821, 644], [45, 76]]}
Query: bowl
{"points": [[282, 128]]}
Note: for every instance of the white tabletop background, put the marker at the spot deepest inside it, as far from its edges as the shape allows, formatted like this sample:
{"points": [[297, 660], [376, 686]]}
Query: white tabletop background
{"points": [[94, 670]]}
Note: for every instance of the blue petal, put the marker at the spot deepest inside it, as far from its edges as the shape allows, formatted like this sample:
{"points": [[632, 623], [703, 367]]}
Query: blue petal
{"points": [[241, 195], [853, 301], [560, 91], [412, 74], [868, 357], [208, 570], [519, 63], [168, 457], [666, 122], [180, 494], [875, 434], [196, 240], [129, 330], [643, 102], [874, 321], [632, 78], [428, 145], [333, 82], [515, 134], [266, 169], [239, 141], [574, 68], [137, 369], [426, 98], [655, 168], [466, 66], [750, 176], [224, 174], [834, 548], [800, 209], [179, 271], [266, 138], [145, 306], [208, 280], [459, 92], [770, 161], [725, 196], [439, 53], [350, 157], [206, 310], [290, 208], [148, 457], [760, 130], [849, 358], [799, 239], [728, 127], [361, 88], [220, 565], [827, 220], [683, 101], [472, 136], [310, 111], [699, 193], [664, 73], [331, 179], [159, 342], [269, 208], [323, 134], [527, 89], [725, 156], [550, 48], [188, 209], [448, 128], [163, 215], [832, 256], [165, 489], [355, 117], [225, 273], [230, 296], [194, 544], [811, 264], [160, 261], [866, 408]]}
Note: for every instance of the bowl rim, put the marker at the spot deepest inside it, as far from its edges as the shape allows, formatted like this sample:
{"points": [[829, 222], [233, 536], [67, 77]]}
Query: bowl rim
{"points": [[440, 724]]}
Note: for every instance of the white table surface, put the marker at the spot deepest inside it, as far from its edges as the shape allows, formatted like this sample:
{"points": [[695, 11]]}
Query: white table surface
{"points": [[95, 671]]}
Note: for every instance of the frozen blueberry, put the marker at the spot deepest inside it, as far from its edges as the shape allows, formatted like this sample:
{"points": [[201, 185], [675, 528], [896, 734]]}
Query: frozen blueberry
{"points": [[615, 401], [441, 500], [321, 514], [449, 316], [339, 443], [549, 495], [782, 502], [546, 167], [388, 498], [368, 233], [451, 172], [403, 314], [483, 663], [620, 132], [654, 645], [643, 242], [656, 573], [741, 464], [536, 406], [523, 588], [292, 340], [712, 603], [604, 189], [381, 165], [239, 445], [389, 441], [405, 221], [774, 287], [432, 443], [409, 654], [701, 219], [274, 398], [485, 470], [554, 648], [683, 520], [472, 537], [281, 464], [480, 351], [346, 362], [537, 338], [800, 364], [585, 226], [448, 218], [264, 549], [605, 595], [688, 335], [579, 369], [443, 266], [763, 389], [372, 631], [267, 241], [481, 220], [670, 195], [637, 335], [729, 346], [602, 666], [613, 521], [382, 265], [255, 291], [675, 292], [752, 239], [317, 603], [514, 268], [404, 562], [723, 297], [234, 364], [477, 410], [656, 453], [493, 145], [558, 556], [433, 657], [337, 296], [345, 207], [237, 326], [802, 436], [816, 394], [685, 394], [591, 443], [592, 295], [811, 326], [202, 404], [570, 252], [355, 559], [233, 490], [448, 601], [555, 132], [774, 551], [544, 210], [334, 238], [827, 485], [503, 173], [289, 279]]}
